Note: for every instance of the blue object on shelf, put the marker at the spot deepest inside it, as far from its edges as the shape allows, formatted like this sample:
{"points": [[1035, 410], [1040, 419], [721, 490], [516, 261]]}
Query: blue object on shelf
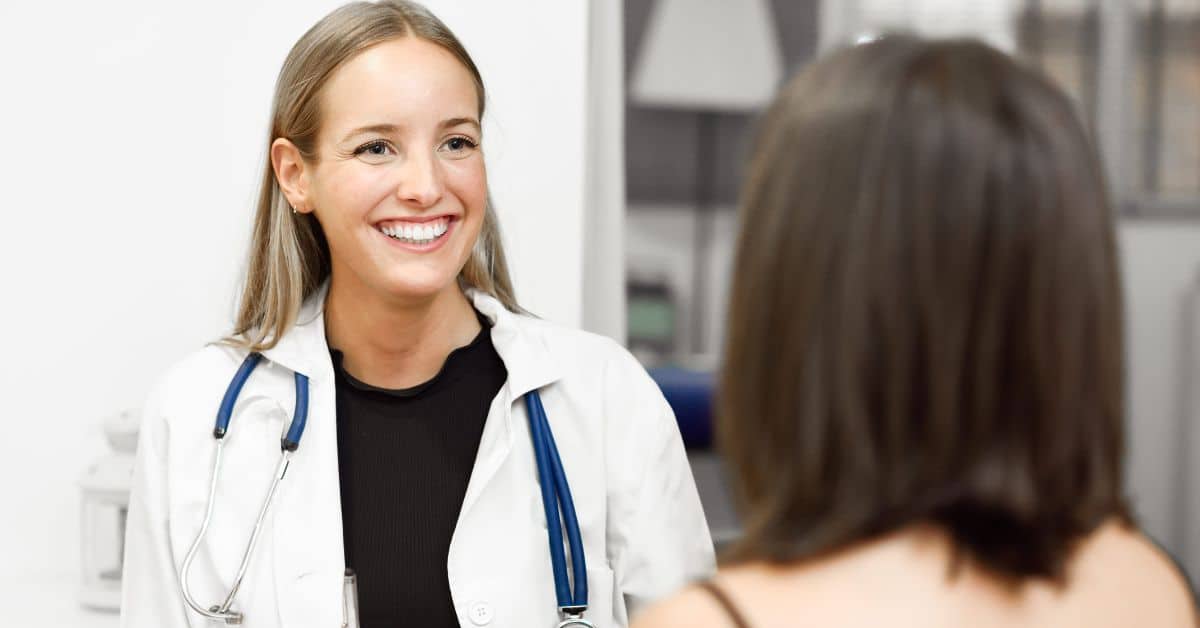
{"points": [[690, 395]]}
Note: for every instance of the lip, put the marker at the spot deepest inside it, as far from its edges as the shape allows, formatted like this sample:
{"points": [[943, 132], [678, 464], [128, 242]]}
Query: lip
{"points": [[451, 227]]}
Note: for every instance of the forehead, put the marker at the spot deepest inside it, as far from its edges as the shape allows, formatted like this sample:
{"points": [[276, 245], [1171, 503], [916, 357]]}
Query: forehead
{"points": [[404, 82]]}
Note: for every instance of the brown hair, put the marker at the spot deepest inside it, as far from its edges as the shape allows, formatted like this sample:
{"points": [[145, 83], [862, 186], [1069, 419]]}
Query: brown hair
{"points": [[925, 321], [289, 257]]}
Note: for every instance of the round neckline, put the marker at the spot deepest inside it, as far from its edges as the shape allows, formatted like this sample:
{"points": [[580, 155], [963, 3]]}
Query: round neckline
{"points": [[412, 391]]}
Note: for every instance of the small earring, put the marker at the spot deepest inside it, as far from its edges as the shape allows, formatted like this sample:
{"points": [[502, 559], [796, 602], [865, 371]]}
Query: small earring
{"points": [[294, 211]]}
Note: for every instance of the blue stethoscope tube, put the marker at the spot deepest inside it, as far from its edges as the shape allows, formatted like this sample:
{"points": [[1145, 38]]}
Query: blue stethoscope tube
{"points": [[556, 499], [291, 441]]}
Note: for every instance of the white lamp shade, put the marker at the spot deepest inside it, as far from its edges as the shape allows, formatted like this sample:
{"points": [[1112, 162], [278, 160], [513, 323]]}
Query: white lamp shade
{"points": [[993, 21], [720, 55]]}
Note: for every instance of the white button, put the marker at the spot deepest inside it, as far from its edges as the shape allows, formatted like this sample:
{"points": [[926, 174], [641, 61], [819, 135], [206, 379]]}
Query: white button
{"points": [[481, 613]]}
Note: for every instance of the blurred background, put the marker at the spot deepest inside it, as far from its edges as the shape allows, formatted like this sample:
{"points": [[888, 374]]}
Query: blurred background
{"points": [[617, 129]]}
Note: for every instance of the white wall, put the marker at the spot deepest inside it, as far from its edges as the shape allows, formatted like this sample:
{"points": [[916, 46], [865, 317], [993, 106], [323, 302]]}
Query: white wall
{"points": [[133, 133], [603, 284]]}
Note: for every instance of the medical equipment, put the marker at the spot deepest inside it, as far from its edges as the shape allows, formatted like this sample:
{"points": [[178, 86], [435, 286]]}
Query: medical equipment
{"points": [[571, 603], [288, 446], [571, 594], [350, 600]]}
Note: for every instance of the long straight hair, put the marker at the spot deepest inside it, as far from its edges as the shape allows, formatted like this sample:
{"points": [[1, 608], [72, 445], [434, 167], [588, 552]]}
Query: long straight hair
{"points": [[289, 256]]}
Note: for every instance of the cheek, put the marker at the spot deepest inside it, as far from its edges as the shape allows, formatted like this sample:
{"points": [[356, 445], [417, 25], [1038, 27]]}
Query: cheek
{"points": [[352, 189], [467, 180]]}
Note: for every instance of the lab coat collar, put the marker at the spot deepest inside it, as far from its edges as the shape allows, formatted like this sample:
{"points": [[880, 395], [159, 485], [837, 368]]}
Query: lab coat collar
{"points": [[530, 364], [302, 349], [524, 353]]}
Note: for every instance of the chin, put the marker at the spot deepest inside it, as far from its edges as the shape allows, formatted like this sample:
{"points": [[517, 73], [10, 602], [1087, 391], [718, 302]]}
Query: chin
{"points": [[420, 286]]}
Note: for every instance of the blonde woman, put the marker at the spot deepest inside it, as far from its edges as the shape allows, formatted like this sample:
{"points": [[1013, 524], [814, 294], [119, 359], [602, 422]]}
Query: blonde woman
{"points": [[408, 386]]}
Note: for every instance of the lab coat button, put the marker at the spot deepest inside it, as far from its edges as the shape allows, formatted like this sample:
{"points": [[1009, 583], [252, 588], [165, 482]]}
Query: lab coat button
{"points": [[481, 613]]}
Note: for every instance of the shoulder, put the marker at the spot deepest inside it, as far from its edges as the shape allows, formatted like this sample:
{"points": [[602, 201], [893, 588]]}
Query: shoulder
{"points": [[193, 376], [1123, 562], [210, 361], [585, 353], [182, 397], [563, 339], [691, 608], [573, 350]]}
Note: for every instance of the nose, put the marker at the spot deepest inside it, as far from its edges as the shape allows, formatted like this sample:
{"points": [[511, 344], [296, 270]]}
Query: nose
{"points": [[421, 182]]}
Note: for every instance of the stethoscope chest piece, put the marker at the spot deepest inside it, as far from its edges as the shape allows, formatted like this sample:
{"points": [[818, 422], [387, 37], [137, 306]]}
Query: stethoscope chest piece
{"points": [[230, 618], [288, 445]]}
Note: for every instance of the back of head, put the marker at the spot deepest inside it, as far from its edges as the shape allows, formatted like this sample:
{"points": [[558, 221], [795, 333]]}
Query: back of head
{"points": [[925, 321]]}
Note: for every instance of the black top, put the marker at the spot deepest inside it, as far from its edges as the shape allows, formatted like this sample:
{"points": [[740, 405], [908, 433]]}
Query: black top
{"points": [[404, 459]]}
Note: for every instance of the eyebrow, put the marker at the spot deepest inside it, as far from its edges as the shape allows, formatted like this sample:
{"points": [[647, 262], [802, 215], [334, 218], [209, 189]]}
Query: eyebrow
{"points": [[382, 129], [387, 129], [453, 122]]}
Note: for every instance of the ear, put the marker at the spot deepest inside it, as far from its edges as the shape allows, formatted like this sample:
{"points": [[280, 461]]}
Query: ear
{"points": [[292, 174]]}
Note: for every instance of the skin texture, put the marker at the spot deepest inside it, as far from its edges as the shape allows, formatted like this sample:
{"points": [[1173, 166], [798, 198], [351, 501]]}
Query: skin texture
{"points": [[400, 140], [1116, 578]]}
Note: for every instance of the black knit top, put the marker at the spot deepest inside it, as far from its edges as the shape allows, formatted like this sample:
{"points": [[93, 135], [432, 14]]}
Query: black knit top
{"points": [[404, 458]]}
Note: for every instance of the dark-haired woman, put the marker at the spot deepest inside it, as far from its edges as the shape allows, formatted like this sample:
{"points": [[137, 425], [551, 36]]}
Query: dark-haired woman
{"points": [[922, 399]]}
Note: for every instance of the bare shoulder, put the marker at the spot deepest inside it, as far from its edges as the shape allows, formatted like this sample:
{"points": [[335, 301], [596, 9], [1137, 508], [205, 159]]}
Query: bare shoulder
{"points": [[1122, 562], [690, 608]]}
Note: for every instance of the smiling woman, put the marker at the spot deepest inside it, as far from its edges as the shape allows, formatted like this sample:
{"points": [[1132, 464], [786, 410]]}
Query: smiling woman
{"points": [[377, 287], [393, 105], [399, 149]]}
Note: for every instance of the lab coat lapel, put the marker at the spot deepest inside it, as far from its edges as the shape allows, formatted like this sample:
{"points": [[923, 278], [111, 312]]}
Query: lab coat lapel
{"points": [[308, 554], [307, 524], [302, 349], [530, 367], [530, 364]]}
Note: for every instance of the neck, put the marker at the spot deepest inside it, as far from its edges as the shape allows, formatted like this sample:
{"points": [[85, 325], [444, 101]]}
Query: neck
{"points": [[396, 343]]}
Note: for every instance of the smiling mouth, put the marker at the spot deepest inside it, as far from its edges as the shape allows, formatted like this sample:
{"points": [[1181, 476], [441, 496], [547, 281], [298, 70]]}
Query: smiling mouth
{"points": [[415, 232]]}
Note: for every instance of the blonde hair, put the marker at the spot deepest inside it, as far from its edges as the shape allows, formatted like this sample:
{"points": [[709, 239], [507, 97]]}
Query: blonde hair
{"points": [[289, 257]]}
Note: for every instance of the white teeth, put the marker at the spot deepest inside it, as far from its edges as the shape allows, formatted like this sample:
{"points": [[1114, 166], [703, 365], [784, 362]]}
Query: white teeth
{"points": [[420, 234]]}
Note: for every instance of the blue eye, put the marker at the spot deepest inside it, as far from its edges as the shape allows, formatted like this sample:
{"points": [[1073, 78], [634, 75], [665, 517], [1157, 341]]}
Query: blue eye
{"points": [[459, 143], [376, 148]]}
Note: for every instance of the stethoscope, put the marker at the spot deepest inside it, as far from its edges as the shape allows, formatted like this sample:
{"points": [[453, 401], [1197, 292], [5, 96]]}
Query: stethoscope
{"points": [[556, 499]]}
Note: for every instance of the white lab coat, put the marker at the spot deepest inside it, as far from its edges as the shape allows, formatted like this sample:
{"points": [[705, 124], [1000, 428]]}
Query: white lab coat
{"points": [[643, 529]]}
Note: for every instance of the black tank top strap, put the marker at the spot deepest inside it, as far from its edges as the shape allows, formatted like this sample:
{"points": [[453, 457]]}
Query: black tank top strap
{"points": [[727, 604]]}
